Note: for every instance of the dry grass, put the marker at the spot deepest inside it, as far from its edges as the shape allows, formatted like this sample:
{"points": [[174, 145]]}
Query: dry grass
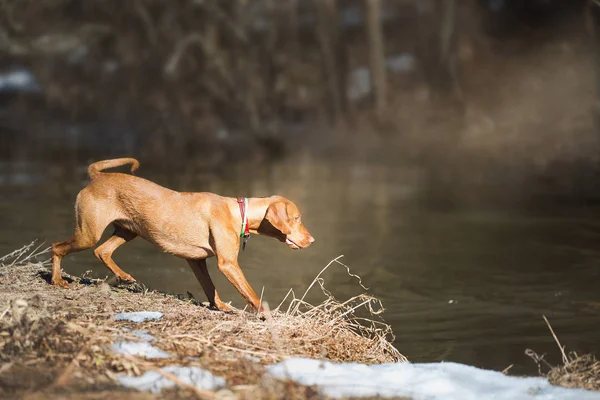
{"points": [[56, 340], [576, 371]]}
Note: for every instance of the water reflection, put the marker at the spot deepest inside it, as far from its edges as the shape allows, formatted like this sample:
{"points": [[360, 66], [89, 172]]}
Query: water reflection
{"points": [[460, 282]]}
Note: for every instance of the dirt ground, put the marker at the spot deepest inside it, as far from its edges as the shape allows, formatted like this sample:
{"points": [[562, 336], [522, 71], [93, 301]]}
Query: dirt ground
{"points": [[54, 343]]}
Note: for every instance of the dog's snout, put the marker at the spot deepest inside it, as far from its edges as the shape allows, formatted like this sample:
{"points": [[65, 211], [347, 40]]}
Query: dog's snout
{"points": [[311, 239]]}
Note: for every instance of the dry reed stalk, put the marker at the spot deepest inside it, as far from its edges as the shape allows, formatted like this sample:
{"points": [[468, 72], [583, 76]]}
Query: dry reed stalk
{"points": [[25, 255], [331, 313]]}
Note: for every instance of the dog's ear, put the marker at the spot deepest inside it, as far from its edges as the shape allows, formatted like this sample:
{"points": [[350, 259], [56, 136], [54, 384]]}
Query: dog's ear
{"points": [[278, 217]]}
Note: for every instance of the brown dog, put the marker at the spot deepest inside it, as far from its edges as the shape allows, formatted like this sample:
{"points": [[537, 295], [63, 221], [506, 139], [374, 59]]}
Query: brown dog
{"points": [[193, 226]]}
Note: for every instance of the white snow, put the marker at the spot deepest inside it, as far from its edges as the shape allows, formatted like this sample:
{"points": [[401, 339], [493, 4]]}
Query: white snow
{"points": [[139, 349], [19, 80], [403, 62], [140, 316], [155, 382], [435, 381], [359, 84], [144, 335]]}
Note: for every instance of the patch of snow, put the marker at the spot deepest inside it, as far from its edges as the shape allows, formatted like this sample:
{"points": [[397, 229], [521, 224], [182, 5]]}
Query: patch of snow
{"points": [[77, 55], [154, 382], [403, 62], [19, 80], [251, 358], [354, 16], [139, 316], [110, 66], [359, 84], [223, 134], [435, 381], [144, 335], [139, 349]]}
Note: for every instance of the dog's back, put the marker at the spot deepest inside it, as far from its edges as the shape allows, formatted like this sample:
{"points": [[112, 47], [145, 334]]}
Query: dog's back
{"points": [[147, 209]]}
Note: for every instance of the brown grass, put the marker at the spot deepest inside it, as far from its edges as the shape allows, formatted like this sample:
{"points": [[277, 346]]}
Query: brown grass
{"points": [[578, 372], [575, 372], [55, 340]]}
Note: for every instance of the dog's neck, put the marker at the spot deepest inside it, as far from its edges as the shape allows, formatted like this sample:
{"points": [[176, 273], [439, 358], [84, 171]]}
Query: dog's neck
{"points": [[257, 208]]}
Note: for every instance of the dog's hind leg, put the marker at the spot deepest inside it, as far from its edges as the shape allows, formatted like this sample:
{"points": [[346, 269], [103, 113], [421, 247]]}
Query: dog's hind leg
{"points": [[82, 239], [105, 250], [90, 223], [60, 249]]}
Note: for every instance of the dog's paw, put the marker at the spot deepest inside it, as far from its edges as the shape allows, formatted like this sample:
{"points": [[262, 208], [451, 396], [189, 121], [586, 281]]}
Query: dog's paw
{"points": [[60, 283], [126, 279], [219, 305]]}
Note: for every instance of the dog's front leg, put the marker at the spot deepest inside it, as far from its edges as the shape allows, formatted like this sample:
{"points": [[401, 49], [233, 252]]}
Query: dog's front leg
{"points": [[234, 274], [226, 247]]}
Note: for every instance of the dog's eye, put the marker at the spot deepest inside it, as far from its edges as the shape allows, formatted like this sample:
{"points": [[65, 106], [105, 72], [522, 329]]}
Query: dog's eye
{"points": [[297, 218]]}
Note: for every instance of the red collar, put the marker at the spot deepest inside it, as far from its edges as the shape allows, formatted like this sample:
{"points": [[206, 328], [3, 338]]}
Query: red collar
{"points": [[245, 231]]}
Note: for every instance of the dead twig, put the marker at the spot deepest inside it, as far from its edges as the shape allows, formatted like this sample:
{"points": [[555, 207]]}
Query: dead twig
{"points": [[565, 359]]}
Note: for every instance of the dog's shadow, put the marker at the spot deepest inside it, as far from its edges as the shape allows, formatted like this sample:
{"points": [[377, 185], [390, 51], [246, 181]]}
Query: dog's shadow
{"points": [[47, 276], [114, 283]]}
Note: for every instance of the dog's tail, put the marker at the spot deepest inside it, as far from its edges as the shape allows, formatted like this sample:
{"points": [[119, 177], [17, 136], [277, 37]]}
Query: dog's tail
{"points": [[96, 168]]}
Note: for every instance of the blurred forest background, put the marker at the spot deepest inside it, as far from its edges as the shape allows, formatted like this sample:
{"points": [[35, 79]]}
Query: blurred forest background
{"points": [[165, 79], [397, 126]]}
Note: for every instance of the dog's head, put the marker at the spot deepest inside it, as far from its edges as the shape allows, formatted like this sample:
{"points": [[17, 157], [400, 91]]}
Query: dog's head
{"points": [[284, 222]]}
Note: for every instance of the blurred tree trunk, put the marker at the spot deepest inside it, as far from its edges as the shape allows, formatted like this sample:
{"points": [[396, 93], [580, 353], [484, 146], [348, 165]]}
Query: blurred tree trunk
{"points": [[270, 64], [448, 45], [341, 54], [593, 23], [246, 60], [292, 29], [376, 54], [332, 54], [444, 67], [439, 47]]}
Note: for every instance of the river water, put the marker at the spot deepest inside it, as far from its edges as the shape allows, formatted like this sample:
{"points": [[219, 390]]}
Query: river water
{"points": [[461, 280]]}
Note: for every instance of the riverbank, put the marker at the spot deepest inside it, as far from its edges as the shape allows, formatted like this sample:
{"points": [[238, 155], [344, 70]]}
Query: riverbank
{"points": [[57, 343], [94, 341]]}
